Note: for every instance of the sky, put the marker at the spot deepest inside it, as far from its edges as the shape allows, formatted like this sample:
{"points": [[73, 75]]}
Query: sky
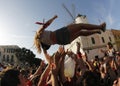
{"points": [[18, 17]]}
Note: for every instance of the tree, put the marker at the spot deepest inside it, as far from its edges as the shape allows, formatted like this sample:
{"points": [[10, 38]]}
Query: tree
{"points": [[25, 55]]}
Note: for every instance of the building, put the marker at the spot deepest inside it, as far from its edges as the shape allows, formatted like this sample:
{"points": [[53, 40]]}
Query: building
{"points": [[116, 34], [92, 44], [7, 54]]}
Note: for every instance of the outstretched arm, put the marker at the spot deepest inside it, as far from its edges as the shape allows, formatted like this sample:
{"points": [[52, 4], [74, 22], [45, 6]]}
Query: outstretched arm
{"points": [[42, 80], [47, 56], [38, 71], [45, 25]]}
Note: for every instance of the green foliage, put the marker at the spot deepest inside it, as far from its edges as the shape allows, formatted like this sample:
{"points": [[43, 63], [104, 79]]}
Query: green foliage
{"points": [[25, 55]]}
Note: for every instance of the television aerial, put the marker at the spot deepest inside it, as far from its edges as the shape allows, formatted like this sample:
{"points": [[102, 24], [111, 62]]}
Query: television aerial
{"points": [[72, 15]]}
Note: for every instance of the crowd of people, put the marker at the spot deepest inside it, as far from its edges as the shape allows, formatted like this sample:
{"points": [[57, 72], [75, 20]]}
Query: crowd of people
{"points": [[64, 67]]}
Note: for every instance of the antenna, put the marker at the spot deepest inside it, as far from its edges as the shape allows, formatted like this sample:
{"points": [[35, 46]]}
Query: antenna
{"points": [[68, 12], [73, 11]]}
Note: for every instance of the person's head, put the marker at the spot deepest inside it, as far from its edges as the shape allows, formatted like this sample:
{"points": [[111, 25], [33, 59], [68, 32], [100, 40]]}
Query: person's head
{"points": [[61, 48], [96, 58], [109, 45], [90, 78], [13, 77], [69, 53]]}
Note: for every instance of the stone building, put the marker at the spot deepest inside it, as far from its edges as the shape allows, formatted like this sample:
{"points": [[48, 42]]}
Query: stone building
{"points": [[7, 54], [116, 34]]}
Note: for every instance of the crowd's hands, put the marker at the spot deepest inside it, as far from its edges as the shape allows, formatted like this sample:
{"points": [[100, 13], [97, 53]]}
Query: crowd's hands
{"points": [[58, 58], [116, 82], [38, 71], [62, 51], [56, 63], [57, 66], [42, 64]]}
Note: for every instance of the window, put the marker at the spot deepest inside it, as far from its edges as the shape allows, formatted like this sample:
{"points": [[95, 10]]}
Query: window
{"points": [[7, 50], [110, 39], [7, 58], [4, 50], [93, 40], [12, 58], [3, 57], [103, 39]]}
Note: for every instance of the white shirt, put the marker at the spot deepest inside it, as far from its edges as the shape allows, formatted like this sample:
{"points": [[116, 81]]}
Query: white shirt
{"points": [[111, 52]]}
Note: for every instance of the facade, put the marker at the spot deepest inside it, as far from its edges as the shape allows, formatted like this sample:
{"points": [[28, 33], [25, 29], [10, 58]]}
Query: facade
{"points": [[92, 44], [116, 34], [7, 54]]}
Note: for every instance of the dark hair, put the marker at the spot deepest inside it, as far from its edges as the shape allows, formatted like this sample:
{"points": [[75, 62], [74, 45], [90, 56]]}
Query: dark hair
{"points": [[90, 78], [110, 44], [10, 78]]}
